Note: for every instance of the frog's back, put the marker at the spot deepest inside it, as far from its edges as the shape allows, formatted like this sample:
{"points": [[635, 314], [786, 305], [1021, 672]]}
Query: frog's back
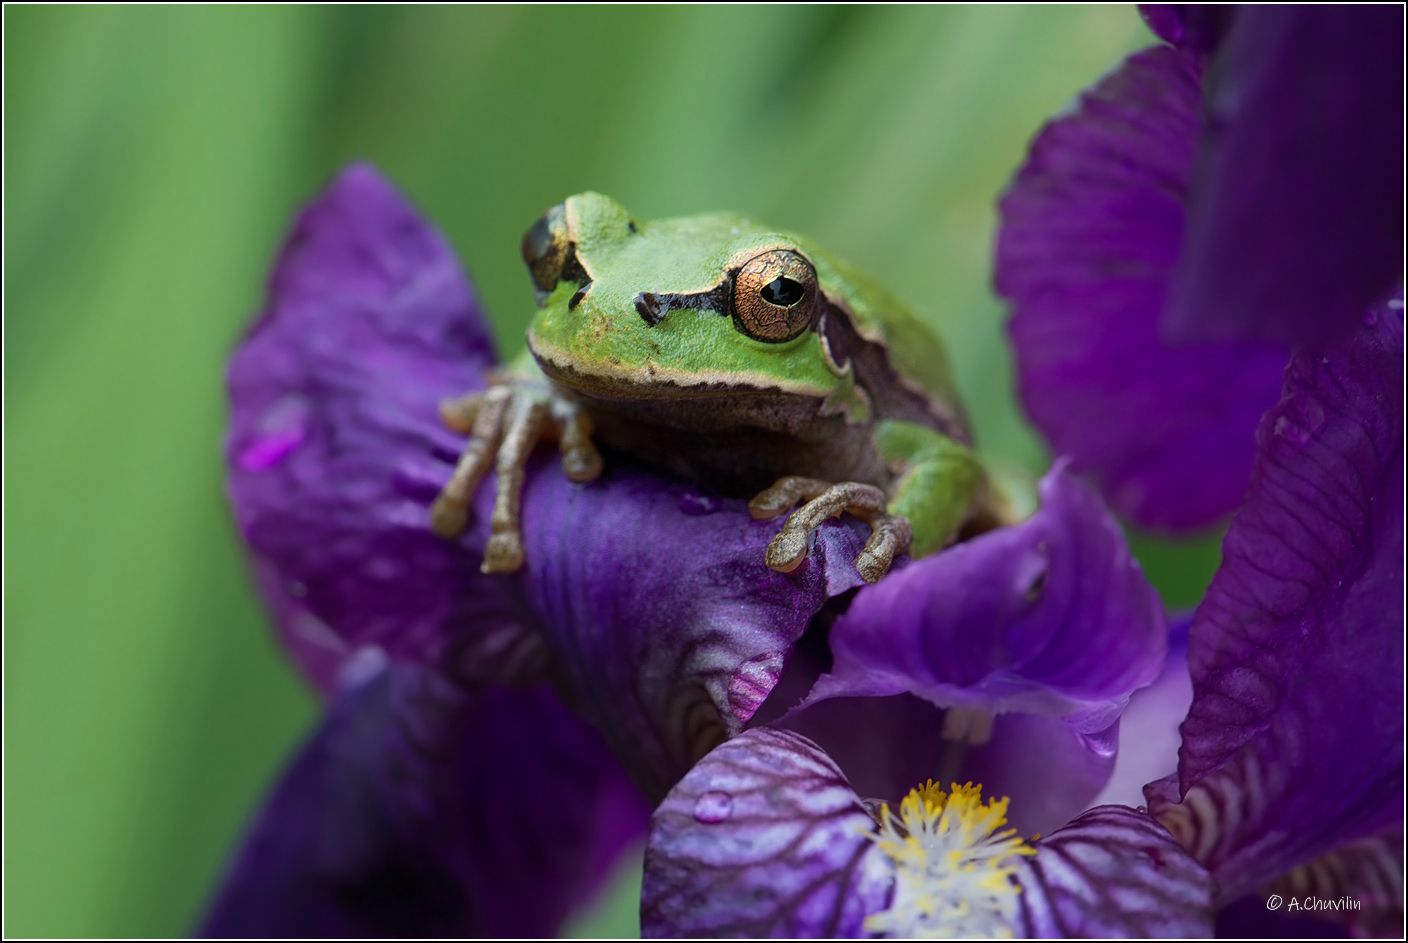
{"points": [[900, 343]]}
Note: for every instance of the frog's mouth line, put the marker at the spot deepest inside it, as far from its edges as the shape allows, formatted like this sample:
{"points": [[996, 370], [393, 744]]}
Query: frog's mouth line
{"points": [[657, 383]]}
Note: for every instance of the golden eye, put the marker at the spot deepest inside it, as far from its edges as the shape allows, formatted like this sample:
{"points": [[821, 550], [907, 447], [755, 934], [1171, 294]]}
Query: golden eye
{"points": [[773, 295]]}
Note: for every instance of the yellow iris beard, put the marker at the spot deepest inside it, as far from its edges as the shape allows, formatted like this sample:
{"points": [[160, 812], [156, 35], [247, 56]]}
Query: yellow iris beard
{"points": [[954, 862]]}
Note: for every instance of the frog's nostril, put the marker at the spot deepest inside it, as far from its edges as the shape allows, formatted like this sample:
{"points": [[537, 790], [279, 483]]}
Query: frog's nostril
{"points": [[546, 248]]}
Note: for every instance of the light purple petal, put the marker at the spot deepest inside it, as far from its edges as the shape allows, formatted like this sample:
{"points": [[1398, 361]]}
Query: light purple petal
{"points": [[1148, 743], [1048, 624], [1090, 234], [763, 838], [1114, 873], [1050, 767], [1296, 221], [335, 437], [1294, 743], [655, 600], [422, 809], [1051, 616]]}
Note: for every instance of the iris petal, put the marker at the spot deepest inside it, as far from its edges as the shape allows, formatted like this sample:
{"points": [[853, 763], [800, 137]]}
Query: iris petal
{"points": [[1296, 219], [1293, 745], [655, 600], [1051, 615], [335, 447], [1368, 872], [1048, 624], [1114, 873], [1090, 234], [763, 838], [1198, 27], [420, 808]]}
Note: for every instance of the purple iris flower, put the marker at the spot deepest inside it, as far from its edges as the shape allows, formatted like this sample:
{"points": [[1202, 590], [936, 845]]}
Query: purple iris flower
{"points": [[1282, 808], [451, 790]]}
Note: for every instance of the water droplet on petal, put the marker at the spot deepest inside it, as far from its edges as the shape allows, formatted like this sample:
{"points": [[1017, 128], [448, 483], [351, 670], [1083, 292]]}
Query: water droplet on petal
{"points": [[1287, 429], [277, 434], [713, 807], [1301, 424], [693, 503]]}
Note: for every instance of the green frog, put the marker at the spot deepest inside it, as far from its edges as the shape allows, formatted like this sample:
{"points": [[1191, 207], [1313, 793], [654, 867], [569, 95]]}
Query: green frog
{"points": [[741, 357]]}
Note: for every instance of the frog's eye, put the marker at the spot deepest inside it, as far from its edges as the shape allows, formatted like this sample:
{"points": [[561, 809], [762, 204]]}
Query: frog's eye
{"points": [[773, 295], [546, 248]]}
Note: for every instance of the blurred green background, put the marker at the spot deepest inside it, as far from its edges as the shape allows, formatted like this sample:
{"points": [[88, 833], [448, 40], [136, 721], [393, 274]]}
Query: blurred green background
{"points": [[152, 159]]}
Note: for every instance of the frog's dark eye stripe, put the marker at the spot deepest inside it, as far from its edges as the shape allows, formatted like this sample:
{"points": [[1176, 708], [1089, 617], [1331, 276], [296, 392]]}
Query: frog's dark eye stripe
{"points": [[774, 293], [770, 297], [653, 306]]}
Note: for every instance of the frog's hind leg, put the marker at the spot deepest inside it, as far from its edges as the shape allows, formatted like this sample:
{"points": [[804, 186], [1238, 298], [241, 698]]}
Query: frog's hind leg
{"points": [[889, 535]]}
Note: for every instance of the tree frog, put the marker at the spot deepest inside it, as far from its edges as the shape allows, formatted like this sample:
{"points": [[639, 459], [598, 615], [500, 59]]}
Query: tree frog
{"points": [[735, 355]]}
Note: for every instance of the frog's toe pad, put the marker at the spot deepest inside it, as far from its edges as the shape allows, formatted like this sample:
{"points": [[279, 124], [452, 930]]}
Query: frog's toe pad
{"points": [[889, 537], [449, 517], [789, 548], [503, 553], [787, 551]]}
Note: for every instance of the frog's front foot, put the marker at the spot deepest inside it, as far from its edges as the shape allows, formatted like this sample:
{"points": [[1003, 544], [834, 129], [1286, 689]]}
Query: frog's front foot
{"points": [[504, 423], [889, 535]]}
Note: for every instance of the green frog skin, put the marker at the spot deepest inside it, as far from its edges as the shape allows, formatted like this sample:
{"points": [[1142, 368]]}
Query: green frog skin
{"points": [[746, 359]]}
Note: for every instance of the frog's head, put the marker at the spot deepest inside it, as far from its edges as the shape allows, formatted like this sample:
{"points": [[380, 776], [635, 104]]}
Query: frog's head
{"points": [[694, 306]]}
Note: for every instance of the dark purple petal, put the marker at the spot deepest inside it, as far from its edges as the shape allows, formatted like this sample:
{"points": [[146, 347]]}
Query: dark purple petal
{"points": [[655, 600], [1368, 873], [1296, 220], [422, 809], [335, 436], [1251, 919], [763, 838], [1197, 27], [1114, 873], [1049, 616], [1355, 891], [1090, 233], [1294, 743]]}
